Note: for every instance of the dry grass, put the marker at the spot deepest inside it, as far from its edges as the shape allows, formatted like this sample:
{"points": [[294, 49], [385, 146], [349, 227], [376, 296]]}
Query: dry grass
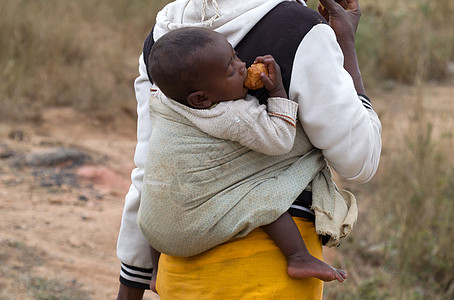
{"points": [[395, 38], [80, 54], [402, 246], [16, 261], [84, 54]]}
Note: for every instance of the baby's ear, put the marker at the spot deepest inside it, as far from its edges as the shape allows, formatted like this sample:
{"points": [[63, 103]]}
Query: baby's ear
{"points": [[199, 100]]}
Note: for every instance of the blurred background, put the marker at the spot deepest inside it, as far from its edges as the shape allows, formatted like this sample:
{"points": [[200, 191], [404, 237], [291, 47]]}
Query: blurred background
{"points": [[82, 56]]}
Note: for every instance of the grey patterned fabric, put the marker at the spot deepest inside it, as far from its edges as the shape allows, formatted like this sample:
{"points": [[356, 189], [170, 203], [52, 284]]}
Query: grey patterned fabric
{"points": [[200, 191]]}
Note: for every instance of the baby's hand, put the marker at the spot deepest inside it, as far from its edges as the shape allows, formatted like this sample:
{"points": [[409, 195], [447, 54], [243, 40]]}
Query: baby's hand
{"points": [[273, 82]]}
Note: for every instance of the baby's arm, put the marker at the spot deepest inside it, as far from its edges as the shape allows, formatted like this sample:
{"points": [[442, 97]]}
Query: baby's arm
{"points": [[267, 129]]}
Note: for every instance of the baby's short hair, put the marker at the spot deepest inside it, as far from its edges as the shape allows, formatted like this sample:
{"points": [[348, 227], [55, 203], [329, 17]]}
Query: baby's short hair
{"points": [[173, 59]]}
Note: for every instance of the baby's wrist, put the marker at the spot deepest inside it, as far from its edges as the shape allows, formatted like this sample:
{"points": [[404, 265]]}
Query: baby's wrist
{"points": [[279, 92]]}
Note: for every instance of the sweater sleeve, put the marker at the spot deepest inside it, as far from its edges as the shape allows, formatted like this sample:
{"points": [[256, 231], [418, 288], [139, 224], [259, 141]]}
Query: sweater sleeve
{"points": [[266, 129], [335, 119], [132, 248]]}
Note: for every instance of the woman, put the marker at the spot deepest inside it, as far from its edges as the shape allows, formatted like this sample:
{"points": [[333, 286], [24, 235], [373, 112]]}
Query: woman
{"points": [[320, 71]]}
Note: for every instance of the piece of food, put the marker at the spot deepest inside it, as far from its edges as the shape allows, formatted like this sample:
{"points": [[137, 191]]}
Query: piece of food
{"points": [[253, 80], [321, 5]]}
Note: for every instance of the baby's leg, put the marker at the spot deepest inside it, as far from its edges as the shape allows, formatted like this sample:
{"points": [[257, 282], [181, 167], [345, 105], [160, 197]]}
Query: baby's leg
{"points": [[300, 263]]}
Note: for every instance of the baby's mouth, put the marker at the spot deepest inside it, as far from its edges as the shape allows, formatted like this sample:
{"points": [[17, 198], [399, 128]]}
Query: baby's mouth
{"points": [[245, 77]]}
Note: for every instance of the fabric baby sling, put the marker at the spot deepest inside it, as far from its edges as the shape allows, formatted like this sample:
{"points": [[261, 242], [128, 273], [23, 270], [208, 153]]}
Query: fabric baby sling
{"points": [[200, 191]]}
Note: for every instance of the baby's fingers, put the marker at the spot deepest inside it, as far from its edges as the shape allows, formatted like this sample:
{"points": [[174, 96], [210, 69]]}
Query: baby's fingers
{"points": [[269, 84], [273, 67], [263, 58]]}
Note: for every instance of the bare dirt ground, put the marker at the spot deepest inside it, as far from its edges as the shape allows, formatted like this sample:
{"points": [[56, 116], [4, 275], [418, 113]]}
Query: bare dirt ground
{"points": [[62, 187], [59, 219]]}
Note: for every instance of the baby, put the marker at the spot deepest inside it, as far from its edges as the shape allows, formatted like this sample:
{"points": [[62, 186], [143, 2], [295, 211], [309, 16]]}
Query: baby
{"points": [[203, 79]]}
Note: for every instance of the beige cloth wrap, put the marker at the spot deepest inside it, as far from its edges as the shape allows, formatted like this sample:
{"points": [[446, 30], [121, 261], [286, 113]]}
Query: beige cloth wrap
{"points": [[200, 191]]}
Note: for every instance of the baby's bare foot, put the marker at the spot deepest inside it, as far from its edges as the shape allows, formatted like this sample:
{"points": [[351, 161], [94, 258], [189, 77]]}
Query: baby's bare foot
{"points": [[303, 266]]}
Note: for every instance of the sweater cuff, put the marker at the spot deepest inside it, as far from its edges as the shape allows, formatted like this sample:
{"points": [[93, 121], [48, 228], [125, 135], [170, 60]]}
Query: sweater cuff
{"points": [[135, 277], [284, 108], [366, 101]]}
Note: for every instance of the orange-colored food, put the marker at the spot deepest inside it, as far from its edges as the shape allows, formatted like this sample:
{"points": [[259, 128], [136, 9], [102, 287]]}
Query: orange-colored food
{"points": [[253, 80]]}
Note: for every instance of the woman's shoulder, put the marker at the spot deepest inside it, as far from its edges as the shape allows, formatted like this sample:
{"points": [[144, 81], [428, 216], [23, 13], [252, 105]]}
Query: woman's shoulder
{"points": [[296, 12]]}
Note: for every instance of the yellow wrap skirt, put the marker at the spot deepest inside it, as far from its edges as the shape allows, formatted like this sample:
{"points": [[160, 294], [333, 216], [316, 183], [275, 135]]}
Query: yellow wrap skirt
{"points": [[251, 267]]}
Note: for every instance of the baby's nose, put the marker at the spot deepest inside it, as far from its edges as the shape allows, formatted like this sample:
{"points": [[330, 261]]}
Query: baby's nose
{"points": [[243, 67]]}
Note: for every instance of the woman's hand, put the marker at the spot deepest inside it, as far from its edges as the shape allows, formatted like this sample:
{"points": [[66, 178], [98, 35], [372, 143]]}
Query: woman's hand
{"points": [[129, 293], [343, 16]]}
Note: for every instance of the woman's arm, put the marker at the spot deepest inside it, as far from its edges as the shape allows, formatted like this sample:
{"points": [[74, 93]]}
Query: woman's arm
{"points": [[132, 248], [330, 110], [343, 17]]}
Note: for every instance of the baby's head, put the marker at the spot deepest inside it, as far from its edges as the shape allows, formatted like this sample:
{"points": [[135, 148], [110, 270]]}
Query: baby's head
{"points": [[197, 67]]}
